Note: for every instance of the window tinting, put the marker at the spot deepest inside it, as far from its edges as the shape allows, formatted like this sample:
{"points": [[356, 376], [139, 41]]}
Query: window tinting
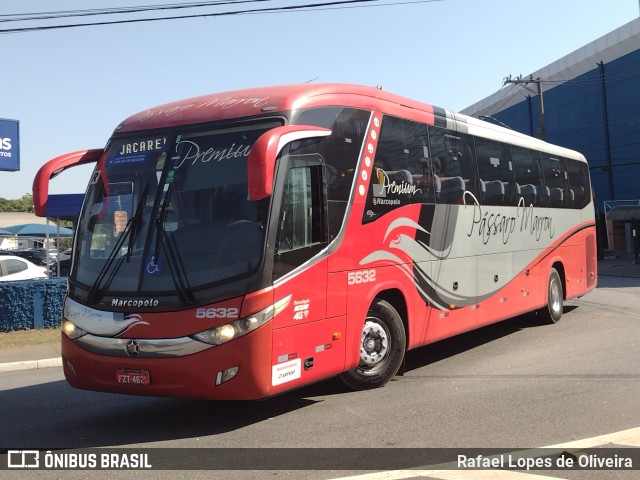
{"points": [[13, 265], [529, 184], [340, 152], [302, 229], [453, 159], [496, 172], [579, 189], [555, 181], [456, 168], [402, 173]]}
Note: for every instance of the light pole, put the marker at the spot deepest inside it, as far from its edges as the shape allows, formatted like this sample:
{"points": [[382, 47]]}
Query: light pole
{"points": [[525, 84]]}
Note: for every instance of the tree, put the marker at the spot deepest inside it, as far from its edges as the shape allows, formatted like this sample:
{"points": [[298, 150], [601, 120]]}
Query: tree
{"points": [[23, 204]]}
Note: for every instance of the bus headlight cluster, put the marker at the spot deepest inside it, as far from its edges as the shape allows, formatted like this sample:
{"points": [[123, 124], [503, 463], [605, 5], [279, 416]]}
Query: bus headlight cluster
{"points": [[229, 331], [71, 330]]}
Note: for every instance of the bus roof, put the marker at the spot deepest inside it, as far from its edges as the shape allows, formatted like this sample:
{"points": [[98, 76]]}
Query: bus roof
{"points": [[263, 100], [256, 101]]}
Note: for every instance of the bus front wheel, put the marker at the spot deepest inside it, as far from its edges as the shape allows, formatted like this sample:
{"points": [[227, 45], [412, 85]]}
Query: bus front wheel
{"points": [[382, 348], [555, 299]]}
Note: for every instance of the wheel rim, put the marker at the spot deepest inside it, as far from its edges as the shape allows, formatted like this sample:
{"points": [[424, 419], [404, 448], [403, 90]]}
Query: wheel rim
{"points": [[374, 346], [555, 297]]}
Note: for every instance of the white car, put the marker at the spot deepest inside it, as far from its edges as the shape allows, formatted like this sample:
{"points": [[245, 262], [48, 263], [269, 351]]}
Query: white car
{"points": [[16, 268]]}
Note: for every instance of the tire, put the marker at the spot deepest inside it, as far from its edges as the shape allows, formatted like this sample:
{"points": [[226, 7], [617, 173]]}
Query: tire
{"points": [[382, 348], [552, 313]]}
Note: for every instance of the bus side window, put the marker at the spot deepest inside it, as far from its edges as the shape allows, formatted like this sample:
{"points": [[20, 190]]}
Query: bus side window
{"points": [[578, 175], [403, 173], [302, 223], [529, 183], [555, 181], [495, 170], [340, 152], [454, 157]]}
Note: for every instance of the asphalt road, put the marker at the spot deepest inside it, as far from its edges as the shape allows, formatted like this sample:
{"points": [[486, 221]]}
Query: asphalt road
{"points": [[512, 385]]}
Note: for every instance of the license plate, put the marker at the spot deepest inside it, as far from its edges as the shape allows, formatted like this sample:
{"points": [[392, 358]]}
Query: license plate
{"points": [[133, 377]]}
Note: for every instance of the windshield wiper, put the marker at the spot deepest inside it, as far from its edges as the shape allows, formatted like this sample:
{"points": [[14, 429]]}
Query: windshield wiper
{"points": [[178, 274], [135, 224], [130, 230]]}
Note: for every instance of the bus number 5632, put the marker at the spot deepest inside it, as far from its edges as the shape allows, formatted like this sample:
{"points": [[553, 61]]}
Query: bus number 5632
{"points": [[217, 313], [361, 276]]}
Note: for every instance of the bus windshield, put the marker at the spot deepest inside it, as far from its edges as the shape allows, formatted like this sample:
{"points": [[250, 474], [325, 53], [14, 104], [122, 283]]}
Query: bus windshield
{"points": [[167, 214]]}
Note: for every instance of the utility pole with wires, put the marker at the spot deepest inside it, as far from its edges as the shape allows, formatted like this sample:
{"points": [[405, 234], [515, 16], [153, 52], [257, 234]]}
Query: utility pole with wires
{"points": [[525, 83]]}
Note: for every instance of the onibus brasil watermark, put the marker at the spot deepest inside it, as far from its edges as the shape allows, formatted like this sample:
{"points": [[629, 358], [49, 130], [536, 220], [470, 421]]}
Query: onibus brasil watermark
{"points": [[35, 459]]}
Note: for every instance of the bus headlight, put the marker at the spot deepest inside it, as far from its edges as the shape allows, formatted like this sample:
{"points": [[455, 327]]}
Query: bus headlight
{"points": [[71, 330], [229, 331]]}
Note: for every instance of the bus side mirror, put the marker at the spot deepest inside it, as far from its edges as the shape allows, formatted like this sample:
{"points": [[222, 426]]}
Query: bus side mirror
{"points": [[55, 167], [262, 158]]}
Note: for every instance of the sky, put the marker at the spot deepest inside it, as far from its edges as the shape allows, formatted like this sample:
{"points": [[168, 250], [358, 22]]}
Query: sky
{"points": [[70, 88]]}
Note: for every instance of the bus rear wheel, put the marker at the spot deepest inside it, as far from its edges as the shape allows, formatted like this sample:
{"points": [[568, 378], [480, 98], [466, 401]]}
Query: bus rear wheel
{"points": [[552, 313], [382, 348]]}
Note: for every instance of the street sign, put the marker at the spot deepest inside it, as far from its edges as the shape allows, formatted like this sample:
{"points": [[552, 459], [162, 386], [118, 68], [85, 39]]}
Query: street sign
{"points": [[9, 145]]}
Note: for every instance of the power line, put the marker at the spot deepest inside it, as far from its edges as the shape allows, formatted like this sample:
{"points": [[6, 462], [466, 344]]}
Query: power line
{"points": [[338, 4], [610, 78], [622, 75], [117, 11]]}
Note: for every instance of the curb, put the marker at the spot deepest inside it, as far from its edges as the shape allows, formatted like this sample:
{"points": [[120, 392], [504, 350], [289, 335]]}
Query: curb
{"points": [[30, 365]]}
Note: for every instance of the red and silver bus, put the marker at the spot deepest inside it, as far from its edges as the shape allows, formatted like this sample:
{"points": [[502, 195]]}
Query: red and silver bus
{"points": [[242, 244]]}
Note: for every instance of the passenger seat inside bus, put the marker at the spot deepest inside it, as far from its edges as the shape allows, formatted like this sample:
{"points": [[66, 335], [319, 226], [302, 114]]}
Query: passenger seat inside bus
{"points": [[511, 193], [577, 196], [556, 197], [451, 189], [429, 185], [493, 192], [545, 196], [529, 193]]}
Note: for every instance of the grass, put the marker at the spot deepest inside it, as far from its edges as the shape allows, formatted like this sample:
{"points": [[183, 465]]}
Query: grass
{"points": [[19, 338]]}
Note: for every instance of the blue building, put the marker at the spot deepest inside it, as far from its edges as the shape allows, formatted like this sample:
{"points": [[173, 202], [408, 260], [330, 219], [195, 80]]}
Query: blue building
{"points": [[591, 103]]}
